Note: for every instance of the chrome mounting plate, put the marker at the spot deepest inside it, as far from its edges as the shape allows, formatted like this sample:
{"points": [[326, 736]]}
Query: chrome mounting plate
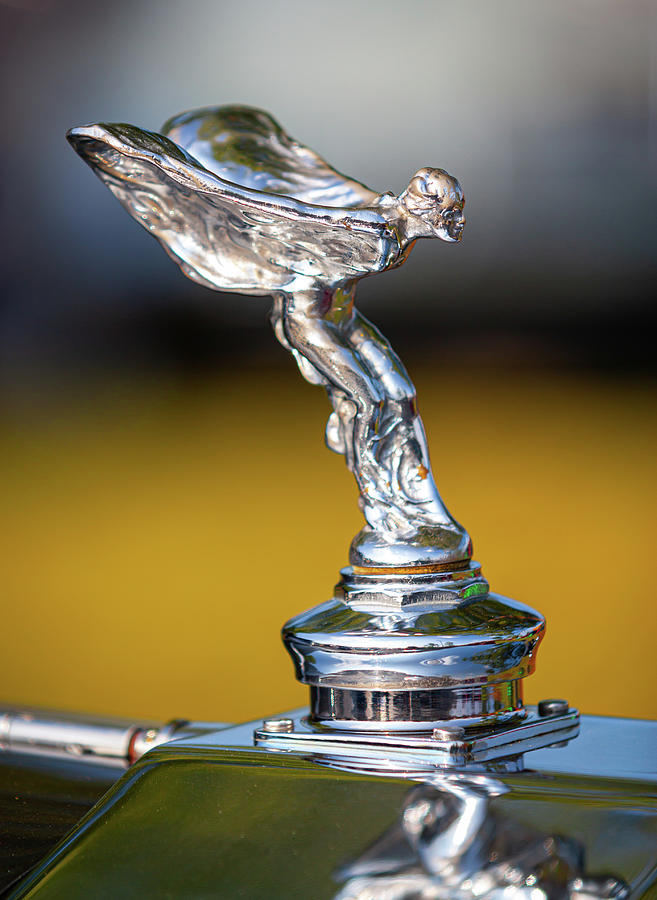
{"points": [[446, 747]]}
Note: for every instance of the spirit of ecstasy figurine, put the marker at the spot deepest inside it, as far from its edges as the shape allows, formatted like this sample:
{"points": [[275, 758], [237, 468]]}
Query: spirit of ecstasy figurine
{"points": [[243, 207]]}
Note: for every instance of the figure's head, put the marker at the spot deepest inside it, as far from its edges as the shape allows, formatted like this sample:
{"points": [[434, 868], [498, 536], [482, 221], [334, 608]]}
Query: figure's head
{"points": [[434, 202]]}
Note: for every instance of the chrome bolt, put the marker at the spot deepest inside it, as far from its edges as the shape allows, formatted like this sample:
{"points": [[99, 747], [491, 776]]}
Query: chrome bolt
{"points": [[278, 725], [552, 708], [448, 733]]}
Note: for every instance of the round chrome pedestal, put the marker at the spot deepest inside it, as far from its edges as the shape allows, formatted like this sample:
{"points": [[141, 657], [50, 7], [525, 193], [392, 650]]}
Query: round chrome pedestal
{"points": [[403, 652], [416, 710]]}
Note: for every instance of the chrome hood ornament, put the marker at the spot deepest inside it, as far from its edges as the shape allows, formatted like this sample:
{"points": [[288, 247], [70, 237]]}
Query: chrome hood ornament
{"points": [[412, 638], [241, 206]]}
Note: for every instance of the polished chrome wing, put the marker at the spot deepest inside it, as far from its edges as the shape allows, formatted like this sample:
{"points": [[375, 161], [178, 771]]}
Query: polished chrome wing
{"points": [[230, 236], [247, 146]]}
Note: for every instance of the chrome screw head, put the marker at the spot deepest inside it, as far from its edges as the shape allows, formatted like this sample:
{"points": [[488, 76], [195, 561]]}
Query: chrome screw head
{"points": [[278, 725], [553, 708], [448, 733]]}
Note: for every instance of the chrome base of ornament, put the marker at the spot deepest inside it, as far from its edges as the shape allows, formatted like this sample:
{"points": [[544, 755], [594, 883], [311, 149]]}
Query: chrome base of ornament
{"points": [[381, 590], [423, 546], [451, 746], [408, 652], [345, 710]]}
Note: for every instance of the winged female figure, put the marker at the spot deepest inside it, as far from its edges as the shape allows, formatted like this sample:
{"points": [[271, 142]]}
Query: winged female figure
{"points": [[242, 207]]}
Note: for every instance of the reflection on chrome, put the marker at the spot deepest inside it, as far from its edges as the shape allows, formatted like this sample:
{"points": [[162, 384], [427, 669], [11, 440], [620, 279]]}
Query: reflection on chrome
{"points": [[449, 844], [243, 207]]}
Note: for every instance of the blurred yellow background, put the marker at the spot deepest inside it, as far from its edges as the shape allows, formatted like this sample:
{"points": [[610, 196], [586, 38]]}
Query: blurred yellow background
{"points": [[161, 521], [155, 538]]}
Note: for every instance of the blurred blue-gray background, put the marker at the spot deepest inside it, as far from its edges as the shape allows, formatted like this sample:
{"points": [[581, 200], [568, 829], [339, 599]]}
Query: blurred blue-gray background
{"points": [[546, 112]]}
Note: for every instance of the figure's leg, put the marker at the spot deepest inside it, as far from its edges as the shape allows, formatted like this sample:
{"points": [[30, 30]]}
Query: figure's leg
{"points": [[308, 371], [358, 399], [402, 447], [382, 361]]}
